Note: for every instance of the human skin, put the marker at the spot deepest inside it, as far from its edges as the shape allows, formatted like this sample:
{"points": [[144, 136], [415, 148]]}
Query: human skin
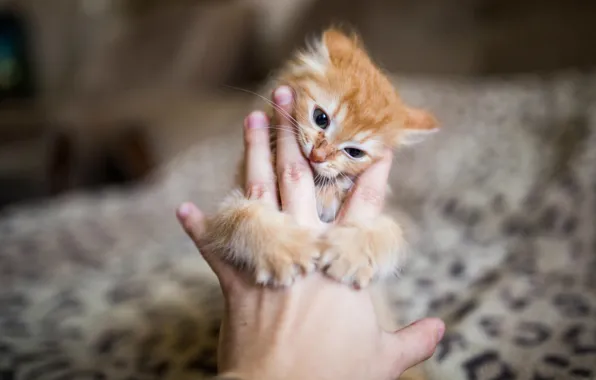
{"points": [[317, 328]]}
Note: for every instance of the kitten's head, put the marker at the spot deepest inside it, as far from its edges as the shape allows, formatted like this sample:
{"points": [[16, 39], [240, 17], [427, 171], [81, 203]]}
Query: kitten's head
{"points": [[346, 109]]}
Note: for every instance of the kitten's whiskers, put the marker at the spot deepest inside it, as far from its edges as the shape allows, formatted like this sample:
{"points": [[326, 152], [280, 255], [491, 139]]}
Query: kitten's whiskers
{"points": [[281, 110], [348, 178], [284, 128]]}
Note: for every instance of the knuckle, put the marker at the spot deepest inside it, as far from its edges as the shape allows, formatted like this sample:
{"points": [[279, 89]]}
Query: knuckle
{"points": [[293, 172], [258, 190], [370, 195], [256, 137]]}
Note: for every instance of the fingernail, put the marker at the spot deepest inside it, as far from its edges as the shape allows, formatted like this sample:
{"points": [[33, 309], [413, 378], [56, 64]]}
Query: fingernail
{"points": [[440, 332], [256, 120], [184, 210], [283, 96]]}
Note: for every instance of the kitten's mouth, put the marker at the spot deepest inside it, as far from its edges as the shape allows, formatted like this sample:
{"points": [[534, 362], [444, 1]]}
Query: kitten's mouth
{"points": [[324, 175], [323, 180]]}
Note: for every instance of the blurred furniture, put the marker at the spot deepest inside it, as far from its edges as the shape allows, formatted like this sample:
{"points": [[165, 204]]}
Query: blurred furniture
{"points": [[101, 124], [16, 75], [21, 119], [95, 61], [117, 158], [22, 148]]}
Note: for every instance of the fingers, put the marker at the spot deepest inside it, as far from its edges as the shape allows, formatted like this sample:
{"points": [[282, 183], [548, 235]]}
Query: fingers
{"points": [[192, 221], [287, 146], [295, 178], [259, 174], [413, 344], [368, 196]]}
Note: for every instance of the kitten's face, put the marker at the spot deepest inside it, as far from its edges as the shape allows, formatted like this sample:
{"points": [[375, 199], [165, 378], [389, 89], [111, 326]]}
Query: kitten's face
{"points": [[329, 138], [347, 111]]}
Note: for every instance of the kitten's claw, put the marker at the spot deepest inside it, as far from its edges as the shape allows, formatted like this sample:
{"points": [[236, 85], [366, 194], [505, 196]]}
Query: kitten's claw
{"points": [[358, 255], [279, 279], [286, 260], [348, 265]]}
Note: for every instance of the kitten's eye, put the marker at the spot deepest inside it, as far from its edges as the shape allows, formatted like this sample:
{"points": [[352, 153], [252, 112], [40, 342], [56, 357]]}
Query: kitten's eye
{"points": [[320, 117], [354, 152]]}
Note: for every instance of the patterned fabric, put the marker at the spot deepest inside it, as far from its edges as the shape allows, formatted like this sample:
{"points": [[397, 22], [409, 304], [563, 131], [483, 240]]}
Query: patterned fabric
{"points": [[500, 208]]}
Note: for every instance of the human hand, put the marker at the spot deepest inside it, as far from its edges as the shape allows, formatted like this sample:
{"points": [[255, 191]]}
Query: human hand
{"points": [[317, 328]]}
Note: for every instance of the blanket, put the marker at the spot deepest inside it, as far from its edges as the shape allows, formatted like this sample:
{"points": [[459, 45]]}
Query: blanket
{"points": [[499, 207]]}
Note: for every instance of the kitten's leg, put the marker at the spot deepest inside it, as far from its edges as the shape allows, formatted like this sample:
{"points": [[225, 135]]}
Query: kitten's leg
{"points": [[356, 253], [255, 235]]}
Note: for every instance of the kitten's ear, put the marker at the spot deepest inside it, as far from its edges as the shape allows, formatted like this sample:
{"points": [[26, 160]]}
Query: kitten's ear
{"points": [[418, 125], [338, 42]]}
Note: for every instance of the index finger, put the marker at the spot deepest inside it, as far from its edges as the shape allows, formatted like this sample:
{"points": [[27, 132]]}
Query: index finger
{"points": [[368, 195]]}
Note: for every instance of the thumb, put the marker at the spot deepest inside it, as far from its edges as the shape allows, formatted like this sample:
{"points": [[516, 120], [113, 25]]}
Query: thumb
{"points": [[413, 344]]}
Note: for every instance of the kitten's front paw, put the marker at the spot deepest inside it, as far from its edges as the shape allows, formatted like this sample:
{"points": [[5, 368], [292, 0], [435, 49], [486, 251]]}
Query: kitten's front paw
{"points": [[288, 255], [358, 255], [345, 258]]}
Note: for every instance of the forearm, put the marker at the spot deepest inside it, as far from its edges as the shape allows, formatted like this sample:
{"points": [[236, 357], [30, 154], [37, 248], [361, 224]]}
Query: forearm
{"points": [[229, 376]]}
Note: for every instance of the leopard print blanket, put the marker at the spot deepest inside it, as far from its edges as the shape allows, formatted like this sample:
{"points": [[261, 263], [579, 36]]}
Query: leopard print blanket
{"points": [[500, 208]]}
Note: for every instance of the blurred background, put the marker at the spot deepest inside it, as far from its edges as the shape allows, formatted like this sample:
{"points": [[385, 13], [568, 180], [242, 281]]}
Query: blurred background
{"points": [[88, 87]]}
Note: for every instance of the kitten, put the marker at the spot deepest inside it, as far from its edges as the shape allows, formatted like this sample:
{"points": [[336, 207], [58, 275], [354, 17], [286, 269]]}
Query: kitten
{"points": [[346, 114]]}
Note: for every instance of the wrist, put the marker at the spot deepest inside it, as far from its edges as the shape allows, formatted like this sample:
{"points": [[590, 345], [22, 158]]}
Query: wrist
{"points": [[230, 376], [245, 376]]}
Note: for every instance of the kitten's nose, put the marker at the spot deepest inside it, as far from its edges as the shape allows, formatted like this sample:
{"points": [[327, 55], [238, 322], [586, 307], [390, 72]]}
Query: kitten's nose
{"points": [[317, 156]]}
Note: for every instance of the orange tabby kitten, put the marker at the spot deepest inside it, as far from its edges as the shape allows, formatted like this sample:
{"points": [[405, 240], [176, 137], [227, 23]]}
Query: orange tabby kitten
{"points": [[346, 113]]}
